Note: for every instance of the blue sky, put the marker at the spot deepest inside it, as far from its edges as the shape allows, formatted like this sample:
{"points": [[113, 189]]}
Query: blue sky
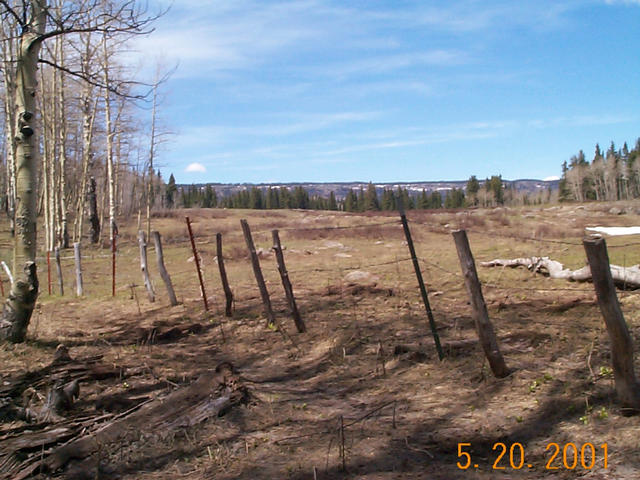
{"points": [[384, 91]]}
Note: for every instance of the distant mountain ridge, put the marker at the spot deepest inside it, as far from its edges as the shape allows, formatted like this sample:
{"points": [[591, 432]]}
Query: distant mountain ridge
{"points": [[340, 189]]}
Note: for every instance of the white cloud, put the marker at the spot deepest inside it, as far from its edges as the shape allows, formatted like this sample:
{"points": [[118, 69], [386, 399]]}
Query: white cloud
{"points": [[551, 178], [195, 167]]}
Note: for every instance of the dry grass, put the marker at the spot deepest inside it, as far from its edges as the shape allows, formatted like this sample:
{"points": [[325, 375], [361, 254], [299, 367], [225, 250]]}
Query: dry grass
{"points": [[299, 392]]}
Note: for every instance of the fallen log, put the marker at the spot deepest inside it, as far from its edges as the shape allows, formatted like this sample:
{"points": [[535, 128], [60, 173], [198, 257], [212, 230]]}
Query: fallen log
{"points": [[210, 396], [626, 277]]}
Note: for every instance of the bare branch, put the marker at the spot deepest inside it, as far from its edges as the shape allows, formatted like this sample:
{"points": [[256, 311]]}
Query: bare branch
{"points": [[116, 90], [12, 12]]}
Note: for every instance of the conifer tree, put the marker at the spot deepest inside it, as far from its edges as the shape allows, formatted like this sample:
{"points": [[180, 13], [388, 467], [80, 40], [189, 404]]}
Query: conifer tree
{"points": [[371, 198]]}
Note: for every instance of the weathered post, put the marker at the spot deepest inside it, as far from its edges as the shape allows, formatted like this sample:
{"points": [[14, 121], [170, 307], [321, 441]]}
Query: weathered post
{"points": [[286, 283], [197, 262], [423, 290], [59, 271], [484, 328], [78, 259], [626, 383], [163, 270], [144, 267], [266, 302], [228, 311]]}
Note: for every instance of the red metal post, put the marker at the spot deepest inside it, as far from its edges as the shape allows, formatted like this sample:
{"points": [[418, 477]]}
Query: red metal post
{"points": [[197, 261]]}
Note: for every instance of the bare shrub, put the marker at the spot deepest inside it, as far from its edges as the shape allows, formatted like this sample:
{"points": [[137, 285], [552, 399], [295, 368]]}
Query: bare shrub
{"points": [[469, 222]]}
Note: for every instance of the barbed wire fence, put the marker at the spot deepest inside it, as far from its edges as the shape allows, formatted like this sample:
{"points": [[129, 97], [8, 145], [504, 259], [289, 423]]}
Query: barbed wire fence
{"points": [[96, 265]]}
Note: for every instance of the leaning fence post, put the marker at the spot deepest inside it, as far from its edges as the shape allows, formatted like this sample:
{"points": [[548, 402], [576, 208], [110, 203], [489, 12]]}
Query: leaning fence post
{"points": [[286, 283], [197, 262], [423, 290], [228, 311], [163, 270], [78, 259], [59, 271], [144, 266], [627, 386], [484, 326], [271, 319]]}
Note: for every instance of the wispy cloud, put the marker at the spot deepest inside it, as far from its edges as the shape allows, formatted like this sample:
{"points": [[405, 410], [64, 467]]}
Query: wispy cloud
{"points": [[581, 121], [275, 126], [622, 2]]}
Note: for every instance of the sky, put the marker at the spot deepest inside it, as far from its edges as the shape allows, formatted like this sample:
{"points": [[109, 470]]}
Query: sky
{"points": [[392, 91]]}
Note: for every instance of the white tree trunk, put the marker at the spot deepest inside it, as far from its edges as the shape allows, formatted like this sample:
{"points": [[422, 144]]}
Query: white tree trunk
{"points": [[110, 134], [627, 276], [24, 291]]}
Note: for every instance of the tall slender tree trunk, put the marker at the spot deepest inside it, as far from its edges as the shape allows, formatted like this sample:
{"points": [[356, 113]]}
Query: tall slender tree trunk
{"points": [[46, 163], [150, 190], [94, 219], [20, 303], [9, 79], [63, 235], [110, 134], [89, 109]]}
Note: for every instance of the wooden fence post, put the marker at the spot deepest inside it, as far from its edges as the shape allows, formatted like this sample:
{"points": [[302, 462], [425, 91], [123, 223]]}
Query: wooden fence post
{"points": [[144, 266], [286, 283], [78, 258], [480, 315], [627, 386], [423, 290], [49, 271], [228, 311], [266, 302], [197, 261], [163, 270], [59, 271]]}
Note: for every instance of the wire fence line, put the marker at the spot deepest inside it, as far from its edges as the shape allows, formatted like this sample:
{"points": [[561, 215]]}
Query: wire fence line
{"points": [[342, 266]]}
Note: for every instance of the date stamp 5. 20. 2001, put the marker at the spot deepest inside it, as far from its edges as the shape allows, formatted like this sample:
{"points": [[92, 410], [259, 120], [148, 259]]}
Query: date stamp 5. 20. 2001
{"points": [[566, 456]]}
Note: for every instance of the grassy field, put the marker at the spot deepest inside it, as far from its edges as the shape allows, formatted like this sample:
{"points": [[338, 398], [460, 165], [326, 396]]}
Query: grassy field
{"points": [[406, 414]]}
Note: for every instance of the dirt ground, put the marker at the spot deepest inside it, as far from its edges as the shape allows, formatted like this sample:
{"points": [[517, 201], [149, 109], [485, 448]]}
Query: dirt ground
{"points": [[367, 361]]}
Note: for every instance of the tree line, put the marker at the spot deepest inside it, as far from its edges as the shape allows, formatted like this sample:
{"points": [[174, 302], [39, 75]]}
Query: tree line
{"points": [[610, 175], [492, 192]]}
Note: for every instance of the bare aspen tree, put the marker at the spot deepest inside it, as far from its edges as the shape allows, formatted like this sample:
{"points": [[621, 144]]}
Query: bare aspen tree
{"points": [[109, 131], [36, 23], [8, 49], [152, 146], [61, 204], [154, 141], [89, 106], [24, 290]]}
